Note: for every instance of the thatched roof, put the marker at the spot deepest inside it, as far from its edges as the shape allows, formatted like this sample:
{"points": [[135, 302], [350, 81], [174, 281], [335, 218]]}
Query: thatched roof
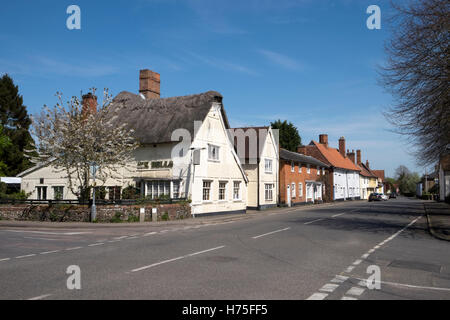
{"points": [[154, 120]]}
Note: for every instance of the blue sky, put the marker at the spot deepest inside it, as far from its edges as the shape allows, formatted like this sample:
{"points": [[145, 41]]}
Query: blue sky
{"points": [[310, 62]]}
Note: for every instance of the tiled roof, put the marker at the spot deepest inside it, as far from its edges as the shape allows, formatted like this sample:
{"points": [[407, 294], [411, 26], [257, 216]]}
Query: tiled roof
{"points": [[333, 156], [365, 171], [379, 174], [295, 156]]}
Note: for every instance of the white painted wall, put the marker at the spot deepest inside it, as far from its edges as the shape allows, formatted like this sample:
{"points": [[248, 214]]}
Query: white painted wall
{"points": [[346, 184], [211, 131]]}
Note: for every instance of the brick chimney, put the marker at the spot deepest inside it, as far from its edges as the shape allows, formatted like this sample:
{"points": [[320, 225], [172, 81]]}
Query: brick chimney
{"points": [[89, 104], [301, 149], [149, 84], [351, 155], [323, 139], [358, 156], [367, 164], [342, 146]]}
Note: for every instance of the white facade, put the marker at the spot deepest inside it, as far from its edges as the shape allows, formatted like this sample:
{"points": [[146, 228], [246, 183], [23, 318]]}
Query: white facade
{"points": [[363, 187], [444, 183], [168, 169], [263, 176], [346, 184]]}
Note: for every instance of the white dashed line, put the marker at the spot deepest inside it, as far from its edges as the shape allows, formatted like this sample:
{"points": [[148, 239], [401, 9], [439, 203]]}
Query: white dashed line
{"points": [[313, 221], [96, 244], [149, 234], [268, 233], [356, 262], [348, 298], [129, 238], [40, 297], [174, 259], [5, 259], [329, 287], [337, 215], [74, 248], [318, 296], [339, 279], [48, 252], [349, 269], [25, 256], [365, 256], [355, 291]]}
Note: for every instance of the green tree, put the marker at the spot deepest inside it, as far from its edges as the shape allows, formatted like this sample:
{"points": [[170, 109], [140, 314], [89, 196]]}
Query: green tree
{"points": [[289, 137], [4, 144], [406, 180], [16, 122]]}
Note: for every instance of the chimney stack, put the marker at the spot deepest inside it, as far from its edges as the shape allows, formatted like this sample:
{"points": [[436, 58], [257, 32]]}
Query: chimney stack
{"points": [[89, 104], [149, 84], [351, 156], [342, 146], [323, 139], [358, 156], [367, 164]]}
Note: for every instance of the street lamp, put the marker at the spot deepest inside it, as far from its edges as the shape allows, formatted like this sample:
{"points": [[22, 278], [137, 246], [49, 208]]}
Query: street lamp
{"points": [[94, 168]]}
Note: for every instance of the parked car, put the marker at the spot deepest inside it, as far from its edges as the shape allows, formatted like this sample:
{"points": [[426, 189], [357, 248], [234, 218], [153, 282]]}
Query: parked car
{"points": [[393, 195], [384, 197], [375, 197]]}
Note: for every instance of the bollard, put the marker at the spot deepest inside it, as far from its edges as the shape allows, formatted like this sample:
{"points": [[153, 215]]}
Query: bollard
{"points": [[142, 215]]}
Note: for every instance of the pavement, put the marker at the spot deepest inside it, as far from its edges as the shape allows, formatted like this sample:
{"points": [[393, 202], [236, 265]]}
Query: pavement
{"points": [[438, 216], [326, 252]]}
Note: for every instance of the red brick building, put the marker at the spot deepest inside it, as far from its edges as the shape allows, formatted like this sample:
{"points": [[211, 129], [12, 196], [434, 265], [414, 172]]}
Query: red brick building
{"points": [[301, 178]]}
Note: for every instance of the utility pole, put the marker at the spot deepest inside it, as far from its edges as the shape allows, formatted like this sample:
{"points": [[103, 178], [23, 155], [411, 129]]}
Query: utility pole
{"points": [[93, 207]]}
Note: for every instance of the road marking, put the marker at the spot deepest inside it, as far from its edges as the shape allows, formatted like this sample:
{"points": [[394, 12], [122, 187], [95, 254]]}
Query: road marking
{"points": [[318, 296], [349, 269], [48, 252], [395, 284], [371, 250], [25, 256], [337, 215], [96, 244], [118, 238], [329, 287], [358, 261], [348, 298], [34, 238], [41, 297], [268, 233], [314, 221], [46, 232], [355, 291], [74, 248], [131, 238], [339, 279], [149, 234], [174, 259], [365, 256], [5, 259]]}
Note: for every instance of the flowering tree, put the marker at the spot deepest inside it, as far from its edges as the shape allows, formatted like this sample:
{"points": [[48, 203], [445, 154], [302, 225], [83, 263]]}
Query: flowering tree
{"points": [[75, 136]]}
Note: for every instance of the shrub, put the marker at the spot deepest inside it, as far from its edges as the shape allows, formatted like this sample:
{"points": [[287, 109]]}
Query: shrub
{"points": [[117, 218]]}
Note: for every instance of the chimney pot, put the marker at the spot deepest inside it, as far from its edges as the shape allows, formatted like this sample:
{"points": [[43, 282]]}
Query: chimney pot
{"points": [[89, 104], [149, 84], [342, 146], [323, 139]]}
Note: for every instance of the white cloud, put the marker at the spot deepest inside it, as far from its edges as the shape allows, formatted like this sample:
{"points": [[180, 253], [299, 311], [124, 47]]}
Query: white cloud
{"points": [[282, 60]]}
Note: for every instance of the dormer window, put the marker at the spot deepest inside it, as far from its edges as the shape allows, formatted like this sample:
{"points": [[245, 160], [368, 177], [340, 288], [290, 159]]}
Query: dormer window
{"points": [[213, 152]]}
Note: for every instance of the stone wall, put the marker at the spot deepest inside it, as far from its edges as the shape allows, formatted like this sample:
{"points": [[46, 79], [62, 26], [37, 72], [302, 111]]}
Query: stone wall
{"points": [[81, 213]]}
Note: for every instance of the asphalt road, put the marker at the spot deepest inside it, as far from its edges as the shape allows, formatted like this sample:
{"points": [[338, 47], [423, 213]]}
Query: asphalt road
{"points": [[314, 252]]}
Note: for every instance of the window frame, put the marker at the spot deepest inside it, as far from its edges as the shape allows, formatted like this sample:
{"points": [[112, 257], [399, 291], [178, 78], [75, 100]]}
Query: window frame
{"points": [[208, 189], [212, 147]]}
